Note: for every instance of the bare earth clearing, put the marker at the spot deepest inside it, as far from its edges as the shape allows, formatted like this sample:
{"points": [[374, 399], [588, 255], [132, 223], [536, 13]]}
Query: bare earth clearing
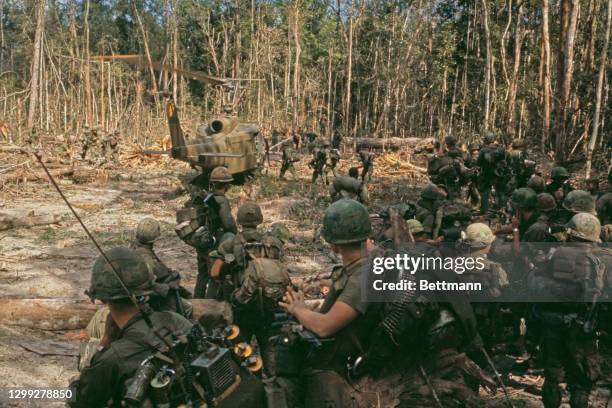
{"points": [[54, 261]]}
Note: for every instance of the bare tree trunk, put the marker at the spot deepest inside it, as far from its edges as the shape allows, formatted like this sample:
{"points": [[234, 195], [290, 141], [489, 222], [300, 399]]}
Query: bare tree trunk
{"points": [[600, 82], [296, 65], [174, 52], [546, 84], [488, 68], [35, 67], [569, 24], [349, 77], [518, 41], [145, 42]]}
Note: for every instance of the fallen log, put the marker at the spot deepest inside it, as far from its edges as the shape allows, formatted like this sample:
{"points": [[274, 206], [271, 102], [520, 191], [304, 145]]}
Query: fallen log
{"points": [[46, 314], [20, 176], [8, 222], [390, 143]]}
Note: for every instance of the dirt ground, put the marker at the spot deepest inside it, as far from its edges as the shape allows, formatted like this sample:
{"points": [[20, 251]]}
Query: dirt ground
{"points": [[54, 261]]}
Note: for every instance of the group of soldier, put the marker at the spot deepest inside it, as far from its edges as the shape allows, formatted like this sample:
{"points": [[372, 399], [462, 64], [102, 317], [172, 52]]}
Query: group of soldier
{"points": [[418, 349]]}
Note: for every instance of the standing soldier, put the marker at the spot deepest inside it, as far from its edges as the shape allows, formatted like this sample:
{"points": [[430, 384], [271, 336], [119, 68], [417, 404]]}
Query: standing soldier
{"points": [[110, 146], [471, 162], [87, 140], [288, 160], [333, 159], [208, 220], [367, 166], [569, 290], [318, 164], [490, 161], [450, 169], [337, 140]]}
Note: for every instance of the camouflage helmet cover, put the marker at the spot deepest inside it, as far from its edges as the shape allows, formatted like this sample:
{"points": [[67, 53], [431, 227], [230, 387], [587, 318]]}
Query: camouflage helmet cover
{"points": [[537, 184], [450, 140], [249, 214], [131, 267], [585, 226], [346, 221], [473, 146], [559, 172], [478, 235], [415, 226], [489, 137], [148, 230], [546, 202], [431, 192], [524, 198], [579, 201], [221, 174]]}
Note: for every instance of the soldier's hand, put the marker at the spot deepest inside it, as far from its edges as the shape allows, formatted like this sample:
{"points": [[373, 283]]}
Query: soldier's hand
{"points": [[292, 301]]}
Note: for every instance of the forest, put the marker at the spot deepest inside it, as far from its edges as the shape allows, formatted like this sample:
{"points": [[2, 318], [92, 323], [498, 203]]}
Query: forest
{"points": [[536, 70]]}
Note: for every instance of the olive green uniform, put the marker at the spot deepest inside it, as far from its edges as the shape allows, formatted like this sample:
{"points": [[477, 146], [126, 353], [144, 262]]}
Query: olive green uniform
{"points": [[348, 187], [105, 379], [288, 159], [221, 223]]}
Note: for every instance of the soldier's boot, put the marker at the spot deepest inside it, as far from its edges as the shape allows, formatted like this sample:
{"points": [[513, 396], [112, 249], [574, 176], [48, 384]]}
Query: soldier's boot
{"points": [[551, 394], [579, 398]]}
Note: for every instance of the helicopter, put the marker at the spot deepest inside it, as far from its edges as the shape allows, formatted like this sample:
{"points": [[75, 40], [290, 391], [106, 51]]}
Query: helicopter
{"points": [[223, 141]]}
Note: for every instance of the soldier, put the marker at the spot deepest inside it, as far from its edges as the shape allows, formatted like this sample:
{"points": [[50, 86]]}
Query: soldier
{"points": [[213, 219], [169, 294], [537, 184], [490, 161], [450, 168], [333, 157], [604, 208], [87, 141], [386, 365], [575, 279], [347, 187], [233, 255], [336, 140], [367, 165], [540, 231], [317, 164], [110, 146], [522, 168], [476, 245], [429, 213], [127, 340], [576, 201], [471, 163], [559, 186], [288, 160]]}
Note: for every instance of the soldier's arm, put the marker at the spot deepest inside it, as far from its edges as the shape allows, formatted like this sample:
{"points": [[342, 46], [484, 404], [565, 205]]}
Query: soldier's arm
{"points": [[227, 219], [321, 324]]}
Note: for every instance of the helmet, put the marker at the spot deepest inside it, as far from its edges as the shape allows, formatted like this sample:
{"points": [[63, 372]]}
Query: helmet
{"points": [[415, 226], [585, 226], [221, 174], [579, 201], [478, 235], [524, 198], [473, 146], [249, 214], [346, 221], [537, 184], [559, 172], [546, 202], [431, 192], [131, 267], [148, 230], [450, 140], [489, 137], [280, 231]]}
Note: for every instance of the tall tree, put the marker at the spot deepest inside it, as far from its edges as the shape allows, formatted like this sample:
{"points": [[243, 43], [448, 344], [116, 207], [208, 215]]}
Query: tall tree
{"points": [[35, 74]]}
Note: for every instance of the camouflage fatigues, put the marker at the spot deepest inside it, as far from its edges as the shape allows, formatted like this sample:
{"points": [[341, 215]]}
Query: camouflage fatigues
{"points": [[287, 164]]}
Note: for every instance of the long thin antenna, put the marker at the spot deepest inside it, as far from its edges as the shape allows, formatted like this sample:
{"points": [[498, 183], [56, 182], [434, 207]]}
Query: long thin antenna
{"points": [[144, 315]]}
